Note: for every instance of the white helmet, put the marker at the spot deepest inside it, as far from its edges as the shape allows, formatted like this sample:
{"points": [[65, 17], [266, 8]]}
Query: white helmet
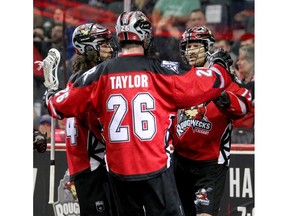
{"points": [[89, 37], [199, 34], [134, 26]]}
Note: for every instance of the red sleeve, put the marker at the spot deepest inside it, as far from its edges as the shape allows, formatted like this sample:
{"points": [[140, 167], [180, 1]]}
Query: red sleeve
{"points": [[206, 83], [240, 101], [62, 104]]}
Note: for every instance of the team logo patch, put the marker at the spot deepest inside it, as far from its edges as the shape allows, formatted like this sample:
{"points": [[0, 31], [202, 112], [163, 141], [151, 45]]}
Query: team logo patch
{"points": [[195, 117], [201, 196], [174, 66], [67, 204]]}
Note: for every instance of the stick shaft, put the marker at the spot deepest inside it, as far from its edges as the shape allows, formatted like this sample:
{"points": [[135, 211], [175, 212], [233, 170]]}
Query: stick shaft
{"points": [[52, 184], [52, 162]]}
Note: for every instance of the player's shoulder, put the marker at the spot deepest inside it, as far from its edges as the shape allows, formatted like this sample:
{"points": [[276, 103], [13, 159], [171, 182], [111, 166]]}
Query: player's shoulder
{"points": [[169, 67]]}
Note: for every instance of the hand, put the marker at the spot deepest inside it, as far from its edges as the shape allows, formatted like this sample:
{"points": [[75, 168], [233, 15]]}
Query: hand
{"points": [[39, 141], [48, 93], [221, 57], [223, 101]]}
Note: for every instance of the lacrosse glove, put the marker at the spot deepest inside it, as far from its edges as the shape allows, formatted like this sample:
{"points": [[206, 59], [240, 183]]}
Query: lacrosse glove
{"points": [[223, 101], [39, 141], [48, 93], [219, 56]]}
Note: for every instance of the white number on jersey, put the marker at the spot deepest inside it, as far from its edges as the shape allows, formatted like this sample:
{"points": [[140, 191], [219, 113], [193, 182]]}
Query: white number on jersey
{"points": [[71, 130], [207, 73], [144, 122]]}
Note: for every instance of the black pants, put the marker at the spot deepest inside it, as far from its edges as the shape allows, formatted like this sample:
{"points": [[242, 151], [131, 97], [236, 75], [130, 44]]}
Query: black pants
{"points": [[200, 185], [153, 197], [94, 194]]}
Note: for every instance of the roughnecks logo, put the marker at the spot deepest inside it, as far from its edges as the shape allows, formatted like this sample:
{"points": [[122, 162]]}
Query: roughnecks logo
{"points": [[195, 118], [67, 204]]}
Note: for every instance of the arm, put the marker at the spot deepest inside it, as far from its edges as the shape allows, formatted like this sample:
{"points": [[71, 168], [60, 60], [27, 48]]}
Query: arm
{"points": [[61, 104], [199, 85], [235, 102]]}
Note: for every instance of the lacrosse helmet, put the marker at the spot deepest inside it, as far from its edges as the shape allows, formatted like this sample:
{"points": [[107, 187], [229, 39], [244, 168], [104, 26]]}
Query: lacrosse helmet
{"points": [[88, 37], [134, 26], [200, 34]]}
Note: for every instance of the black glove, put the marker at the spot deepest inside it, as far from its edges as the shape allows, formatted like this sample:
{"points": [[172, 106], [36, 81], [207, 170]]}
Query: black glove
{"points": [[48, 93], [223, 101], [223, 58], [39, 141], [219, 56]]}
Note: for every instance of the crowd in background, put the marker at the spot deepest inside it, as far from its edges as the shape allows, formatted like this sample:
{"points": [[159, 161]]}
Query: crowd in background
{"points": [[231, 21]]}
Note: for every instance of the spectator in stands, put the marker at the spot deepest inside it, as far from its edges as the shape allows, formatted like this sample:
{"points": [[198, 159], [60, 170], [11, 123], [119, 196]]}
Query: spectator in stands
{"points": [[146, 6], [168, 21], [57, 41], [58, 16], [38, 38], [247, 39], [73, 18], [179, 11], [38, 76], [37, 17], [245, 65], [55, 15], [97, 4], [196, 18], [243, 131], [246, 18], [225, 44]]}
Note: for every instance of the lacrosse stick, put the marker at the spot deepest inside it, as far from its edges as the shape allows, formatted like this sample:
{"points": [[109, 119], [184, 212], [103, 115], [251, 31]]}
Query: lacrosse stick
{"points": [[50, 67]]}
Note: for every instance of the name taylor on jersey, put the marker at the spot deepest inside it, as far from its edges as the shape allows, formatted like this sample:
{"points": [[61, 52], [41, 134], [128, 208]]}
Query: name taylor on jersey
{"points": [[129, 81], [195, 117]]}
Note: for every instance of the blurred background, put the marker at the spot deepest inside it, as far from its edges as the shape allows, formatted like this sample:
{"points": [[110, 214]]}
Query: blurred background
{"points": [[231, 21]]}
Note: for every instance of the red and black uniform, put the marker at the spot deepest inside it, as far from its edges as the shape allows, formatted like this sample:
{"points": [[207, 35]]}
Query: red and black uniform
{"points": [[86, 165], [135, 98], [81, 157], [202, 140]]}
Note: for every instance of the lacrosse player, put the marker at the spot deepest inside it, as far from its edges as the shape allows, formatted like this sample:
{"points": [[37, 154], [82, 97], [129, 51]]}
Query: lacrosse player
{"points": [[135, 98], [202, 133], [93, 44]]}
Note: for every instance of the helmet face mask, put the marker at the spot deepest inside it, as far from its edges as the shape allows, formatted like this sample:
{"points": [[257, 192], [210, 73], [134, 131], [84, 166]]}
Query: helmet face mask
{"points": [[134, 27], [191, 37], [88, 38], [195, 54]]}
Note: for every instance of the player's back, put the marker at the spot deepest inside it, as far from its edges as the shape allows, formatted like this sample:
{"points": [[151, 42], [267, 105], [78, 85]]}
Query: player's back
{"points": [[136, 105], [135, 99]]}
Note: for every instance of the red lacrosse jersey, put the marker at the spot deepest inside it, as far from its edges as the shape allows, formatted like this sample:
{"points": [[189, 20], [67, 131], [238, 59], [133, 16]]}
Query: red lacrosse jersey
{"points": [[135, 98], [203, 132], [84, 149]]}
